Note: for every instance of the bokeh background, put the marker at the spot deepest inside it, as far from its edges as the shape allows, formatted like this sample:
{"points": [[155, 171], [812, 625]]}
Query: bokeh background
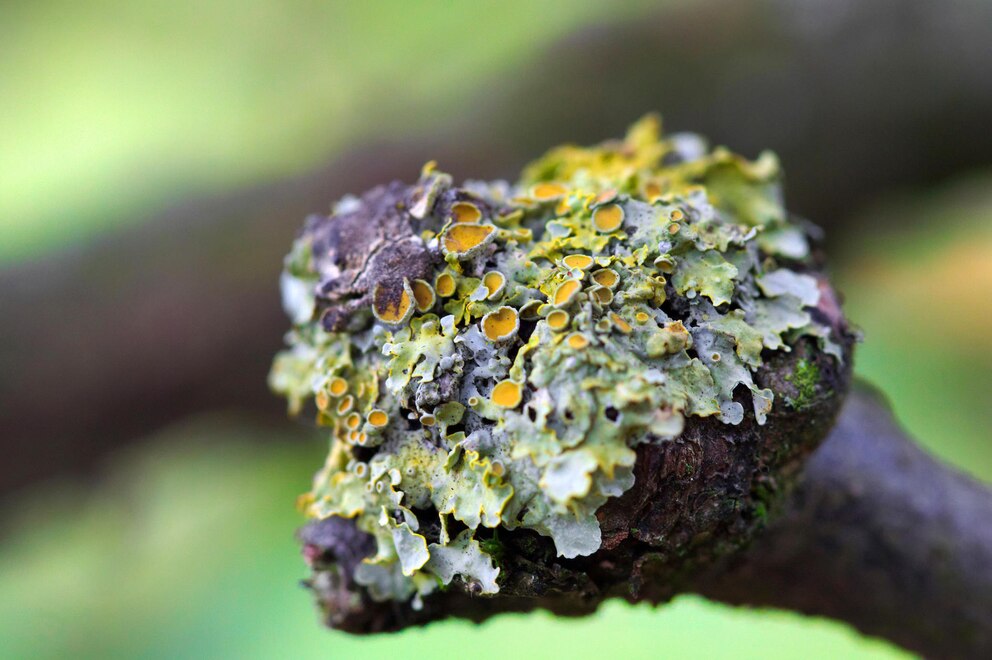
{"points": [[157, 157]]}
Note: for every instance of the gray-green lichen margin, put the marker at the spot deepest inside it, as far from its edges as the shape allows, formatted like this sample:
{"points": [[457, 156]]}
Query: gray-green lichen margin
{"points": [[503, 366]]}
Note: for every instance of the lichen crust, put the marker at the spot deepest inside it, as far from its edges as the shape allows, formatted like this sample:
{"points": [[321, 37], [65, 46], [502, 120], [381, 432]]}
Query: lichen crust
{"points": [[488, 356]]}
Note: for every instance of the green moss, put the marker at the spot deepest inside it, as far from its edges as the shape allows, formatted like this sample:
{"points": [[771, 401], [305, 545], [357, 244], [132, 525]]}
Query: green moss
{"points": [[760, 511], [804, 379], [493, 547]]}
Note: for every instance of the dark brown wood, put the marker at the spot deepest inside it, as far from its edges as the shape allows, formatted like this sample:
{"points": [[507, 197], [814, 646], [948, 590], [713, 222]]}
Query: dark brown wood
{"points": [[881, 535]]}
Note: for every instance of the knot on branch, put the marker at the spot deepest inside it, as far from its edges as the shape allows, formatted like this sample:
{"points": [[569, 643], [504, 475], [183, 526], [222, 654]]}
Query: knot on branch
{"points": [[592, 383]]}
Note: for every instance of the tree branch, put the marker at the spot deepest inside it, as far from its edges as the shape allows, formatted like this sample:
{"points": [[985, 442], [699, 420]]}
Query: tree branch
{"points": [[880, 535]]}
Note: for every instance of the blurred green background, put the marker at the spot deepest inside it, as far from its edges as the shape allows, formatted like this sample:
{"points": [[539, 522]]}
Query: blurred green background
{"points": [[180, 544]]}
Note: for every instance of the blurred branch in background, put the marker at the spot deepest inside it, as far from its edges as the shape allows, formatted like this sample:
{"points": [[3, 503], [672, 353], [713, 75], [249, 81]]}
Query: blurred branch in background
{"points": [[180, 315], [855, 97], [106, 121]]}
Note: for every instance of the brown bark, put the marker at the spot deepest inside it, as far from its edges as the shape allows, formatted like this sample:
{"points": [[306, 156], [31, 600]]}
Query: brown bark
{"points": [[881, 535]]}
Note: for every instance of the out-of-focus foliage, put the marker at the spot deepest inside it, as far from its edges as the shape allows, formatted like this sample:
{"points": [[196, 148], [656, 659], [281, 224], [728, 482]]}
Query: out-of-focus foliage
{"points": [[924, 299], [112, 108]]}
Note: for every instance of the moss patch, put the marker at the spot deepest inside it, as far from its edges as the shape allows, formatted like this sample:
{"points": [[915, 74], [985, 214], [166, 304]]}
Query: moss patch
{"points": [[804, 379]]}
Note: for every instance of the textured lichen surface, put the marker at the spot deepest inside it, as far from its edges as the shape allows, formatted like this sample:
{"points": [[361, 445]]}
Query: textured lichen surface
{"points": [[489, 356]]}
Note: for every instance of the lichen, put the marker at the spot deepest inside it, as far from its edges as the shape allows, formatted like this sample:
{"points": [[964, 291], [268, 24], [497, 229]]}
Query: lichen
{"points": [[490, 356]]}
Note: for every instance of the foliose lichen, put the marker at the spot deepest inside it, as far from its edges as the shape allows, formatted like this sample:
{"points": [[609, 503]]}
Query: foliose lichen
{"points": [[488, 356]]}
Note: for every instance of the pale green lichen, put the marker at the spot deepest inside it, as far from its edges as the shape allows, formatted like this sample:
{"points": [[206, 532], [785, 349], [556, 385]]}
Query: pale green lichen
{"points": [[669, 298]]}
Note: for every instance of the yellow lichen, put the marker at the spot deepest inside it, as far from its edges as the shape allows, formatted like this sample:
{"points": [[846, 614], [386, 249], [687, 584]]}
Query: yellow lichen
{"points": [[423, 295], [378, 418], [465, 212], [531, 310], [501, 324], [565, 292], [651, 190], [554, 294], [607, 218], [545, 192], [337, 386], [494, 282], [445, 285], [558, 319], [607, 195], [602, 295], [665, 264], [392, 304], [578, 261], [577, 340], [620, 324], [507, 394], [606, 277], [465, 239]]}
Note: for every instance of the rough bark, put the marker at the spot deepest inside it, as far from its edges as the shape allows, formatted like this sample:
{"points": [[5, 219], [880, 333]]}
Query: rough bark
{"points": [[875, 533], [881, 535]]}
